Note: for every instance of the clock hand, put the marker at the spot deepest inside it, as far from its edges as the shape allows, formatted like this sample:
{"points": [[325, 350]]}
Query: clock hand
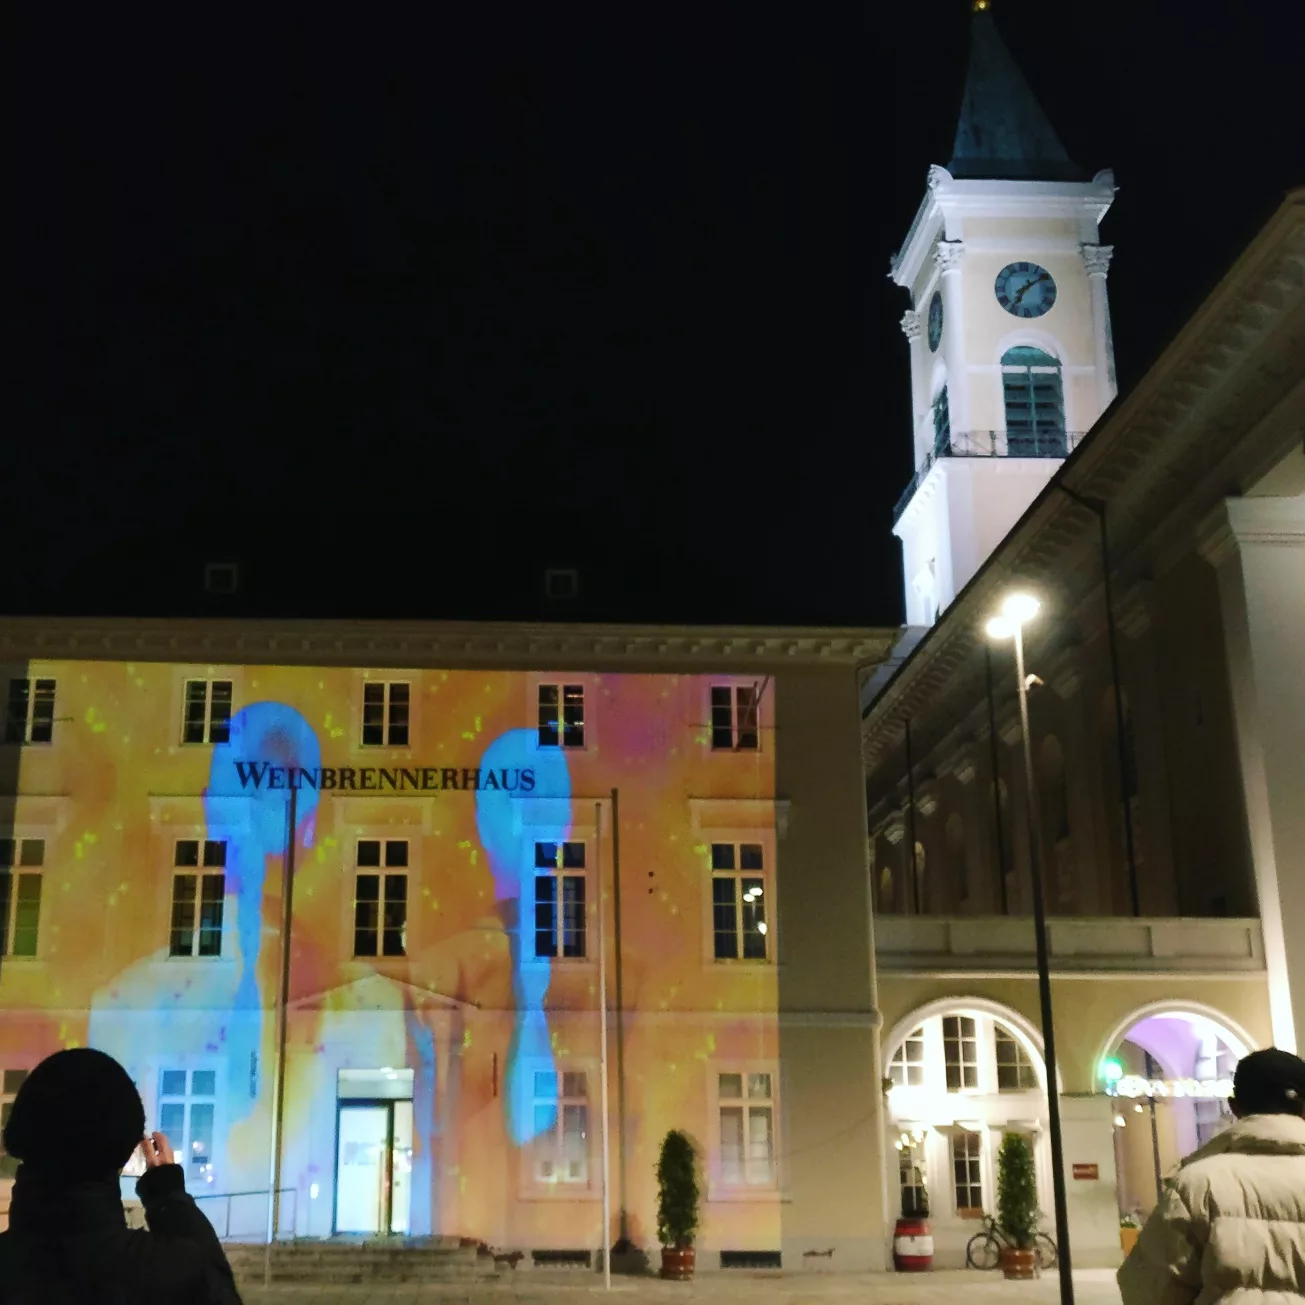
{"points": [[1024, 289]]}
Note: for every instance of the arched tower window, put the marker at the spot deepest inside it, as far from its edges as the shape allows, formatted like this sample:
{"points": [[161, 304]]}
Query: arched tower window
{"points": [[1035, 403], [942, 425]]}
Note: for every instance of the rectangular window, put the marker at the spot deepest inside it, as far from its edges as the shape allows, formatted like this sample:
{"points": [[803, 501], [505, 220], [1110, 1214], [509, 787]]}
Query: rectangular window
{"points": [[30, 717], [561, 1119], [380, 900], [738, 905], [207, 717], [561, 715], [187, 1108], [967, 1174], [961, 1053], [746, 1103], [198, 893], [21, 860], [907, 1067], [1015, 1071], [734, 718], [910, 1179], [560, 899], [385, 714], [10, 1081]]}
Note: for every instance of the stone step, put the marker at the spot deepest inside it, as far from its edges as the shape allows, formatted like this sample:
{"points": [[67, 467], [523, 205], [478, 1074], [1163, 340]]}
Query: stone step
{"points": [[361, 1262]]}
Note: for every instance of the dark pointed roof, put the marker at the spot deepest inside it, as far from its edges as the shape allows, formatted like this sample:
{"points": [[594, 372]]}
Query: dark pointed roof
{"points": [[1003, 135]]}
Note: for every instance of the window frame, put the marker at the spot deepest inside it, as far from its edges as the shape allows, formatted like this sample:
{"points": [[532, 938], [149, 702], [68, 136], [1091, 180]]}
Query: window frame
{"points": [[562, 686], [32, 696], [975, 1039], [17, 879], [383, 872], [907, 1063], [975, 1142], [720, 1187], [183, 1146], [739, 727], [203, 872], [1002, 1032], [740, 877], [210, 698], [560, 873], [388, 707], [554, 1153]]}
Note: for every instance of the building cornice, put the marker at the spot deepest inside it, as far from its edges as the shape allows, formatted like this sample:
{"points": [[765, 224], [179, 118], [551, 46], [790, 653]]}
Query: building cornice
{"points": [[443, 644], [949, 200], [1213, 412]]}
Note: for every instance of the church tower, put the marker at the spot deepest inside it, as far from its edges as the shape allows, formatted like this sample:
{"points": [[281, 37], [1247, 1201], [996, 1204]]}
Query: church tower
{"points": [[1008, 329]]}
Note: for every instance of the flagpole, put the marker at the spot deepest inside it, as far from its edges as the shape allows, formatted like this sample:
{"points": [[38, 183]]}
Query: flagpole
{"points": [[602, 1043], [282, 1021]]}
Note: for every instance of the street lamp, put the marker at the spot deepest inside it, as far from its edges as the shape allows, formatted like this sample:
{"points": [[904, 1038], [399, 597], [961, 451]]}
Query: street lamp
{"points": [[1017, 610]]}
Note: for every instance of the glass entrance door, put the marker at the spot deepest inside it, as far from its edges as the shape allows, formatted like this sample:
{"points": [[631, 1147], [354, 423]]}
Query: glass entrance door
{"points": [[362, 1168], [373, 1155]]}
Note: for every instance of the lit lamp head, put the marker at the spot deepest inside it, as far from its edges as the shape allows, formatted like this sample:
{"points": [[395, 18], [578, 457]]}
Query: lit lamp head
{"points": [[1016, 611]]}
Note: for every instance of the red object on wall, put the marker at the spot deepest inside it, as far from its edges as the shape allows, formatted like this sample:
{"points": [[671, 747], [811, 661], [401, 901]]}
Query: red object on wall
{"points": [[1087, 1172]]}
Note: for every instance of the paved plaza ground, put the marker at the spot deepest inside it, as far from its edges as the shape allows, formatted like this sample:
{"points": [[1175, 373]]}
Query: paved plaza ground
{"points": [[1092, 1287]]}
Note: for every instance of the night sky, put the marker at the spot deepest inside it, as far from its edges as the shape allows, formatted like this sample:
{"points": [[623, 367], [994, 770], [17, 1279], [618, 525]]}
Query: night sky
{"points": [[402, 303]]}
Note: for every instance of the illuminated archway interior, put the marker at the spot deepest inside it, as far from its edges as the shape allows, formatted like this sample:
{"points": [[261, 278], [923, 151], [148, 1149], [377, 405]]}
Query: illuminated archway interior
{"points": [[1171, 1075]]}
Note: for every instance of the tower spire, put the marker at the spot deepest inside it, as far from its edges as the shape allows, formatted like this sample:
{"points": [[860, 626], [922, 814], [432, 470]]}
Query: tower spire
{"points": [[1002, 134]]}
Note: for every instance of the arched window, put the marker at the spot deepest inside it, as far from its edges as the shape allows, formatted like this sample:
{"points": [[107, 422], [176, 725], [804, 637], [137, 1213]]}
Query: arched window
{"points": [[942, 425], [1035, 403], [963, 1061]]}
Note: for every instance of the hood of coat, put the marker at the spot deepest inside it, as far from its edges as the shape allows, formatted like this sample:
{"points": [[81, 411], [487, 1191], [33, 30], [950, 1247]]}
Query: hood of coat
{"points": [[1256, 1135]]}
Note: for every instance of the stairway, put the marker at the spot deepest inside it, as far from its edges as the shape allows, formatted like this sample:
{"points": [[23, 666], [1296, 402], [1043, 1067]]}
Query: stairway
{"points": [[387, 1260]]}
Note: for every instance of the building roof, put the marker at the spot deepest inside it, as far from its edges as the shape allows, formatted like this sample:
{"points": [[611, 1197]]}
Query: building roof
{"points": [[447, 645], [1002, 134]]}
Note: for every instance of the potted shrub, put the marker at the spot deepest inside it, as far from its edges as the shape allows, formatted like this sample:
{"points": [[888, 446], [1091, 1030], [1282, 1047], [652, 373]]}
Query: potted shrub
{"points": [[677, 1205], [1129, 1231], [1017, 1206]]}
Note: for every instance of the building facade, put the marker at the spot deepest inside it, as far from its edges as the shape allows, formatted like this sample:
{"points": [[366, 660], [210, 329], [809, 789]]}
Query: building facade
{"points": [[461, 824], [1166, 712]]}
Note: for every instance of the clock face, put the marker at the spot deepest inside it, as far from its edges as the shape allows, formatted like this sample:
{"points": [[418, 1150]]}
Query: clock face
{"points": [[935, 321], [1025, 289]]}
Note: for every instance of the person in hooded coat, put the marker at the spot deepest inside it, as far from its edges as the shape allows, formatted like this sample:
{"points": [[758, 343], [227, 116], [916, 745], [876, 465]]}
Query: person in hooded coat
{"points": [[74, 1125], [1231, 1226]]}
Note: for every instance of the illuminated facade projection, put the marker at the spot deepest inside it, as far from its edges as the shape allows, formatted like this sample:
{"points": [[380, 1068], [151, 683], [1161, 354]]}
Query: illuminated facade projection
{"points": [[454, 835]]}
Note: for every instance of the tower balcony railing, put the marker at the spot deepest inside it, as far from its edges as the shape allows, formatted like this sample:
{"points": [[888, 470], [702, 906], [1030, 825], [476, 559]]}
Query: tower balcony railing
{"points": [[990, 444]]}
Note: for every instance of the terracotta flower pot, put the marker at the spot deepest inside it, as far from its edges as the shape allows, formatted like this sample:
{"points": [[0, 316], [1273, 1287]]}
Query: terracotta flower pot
{"points": [[1128, 1239], [677, 1263], [1019, 1266]]}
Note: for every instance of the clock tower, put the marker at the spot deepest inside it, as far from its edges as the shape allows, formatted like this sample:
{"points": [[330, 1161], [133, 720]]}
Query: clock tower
{"points": [[1008, 329]]}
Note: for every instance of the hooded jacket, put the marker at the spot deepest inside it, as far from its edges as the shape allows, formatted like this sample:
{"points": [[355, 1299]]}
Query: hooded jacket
{"points": [[69, 1244], [1231, 1227]]}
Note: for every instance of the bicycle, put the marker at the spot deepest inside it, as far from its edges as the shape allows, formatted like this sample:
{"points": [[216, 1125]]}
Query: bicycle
{"points": [[985, 1248]]}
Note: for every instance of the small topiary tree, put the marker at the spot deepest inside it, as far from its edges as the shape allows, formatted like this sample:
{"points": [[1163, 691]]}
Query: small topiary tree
{"points": [[1017, 1192], [677, 1192]]}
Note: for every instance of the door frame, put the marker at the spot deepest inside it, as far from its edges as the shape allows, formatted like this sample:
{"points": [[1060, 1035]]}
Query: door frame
{"points": [[387, 1211]]}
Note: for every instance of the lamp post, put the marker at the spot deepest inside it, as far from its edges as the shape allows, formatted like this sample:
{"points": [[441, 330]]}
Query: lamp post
{"points": [[1016, 611]]}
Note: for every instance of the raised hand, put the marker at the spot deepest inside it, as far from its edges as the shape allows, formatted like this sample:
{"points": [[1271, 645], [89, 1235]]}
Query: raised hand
{"points": [[157, 1150]]}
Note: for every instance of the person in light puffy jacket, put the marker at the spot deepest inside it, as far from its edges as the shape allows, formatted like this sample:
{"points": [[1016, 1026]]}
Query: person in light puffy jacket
{"points": [[1231, 1227], [74, 1124]]}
